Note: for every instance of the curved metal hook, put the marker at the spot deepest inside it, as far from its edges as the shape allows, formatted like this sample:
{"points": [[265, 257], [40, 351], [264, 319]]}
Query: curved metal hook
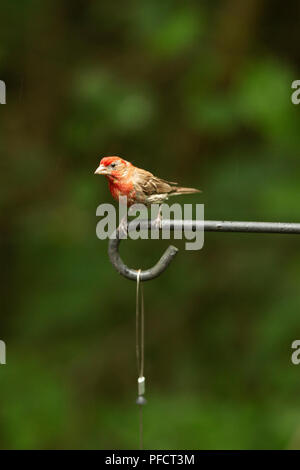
{"points": [[209, 225], [146, 275]]}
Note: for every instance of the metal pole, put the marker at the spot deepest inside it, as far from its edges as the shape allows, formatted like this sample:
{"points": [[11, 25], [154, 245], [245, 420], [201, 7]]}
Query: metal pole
{"points": [[171, 251]]}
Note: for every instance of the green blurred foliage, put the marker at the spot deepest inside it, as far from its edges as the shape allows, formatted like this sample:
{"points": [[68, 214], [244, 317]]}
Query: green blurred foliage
{"points": [[197, 92]]}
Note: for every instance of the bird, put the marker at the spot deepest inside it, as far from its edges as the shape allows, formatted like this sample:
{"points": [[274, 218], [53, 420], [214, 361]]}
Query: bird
{"points": [[138, 185]]}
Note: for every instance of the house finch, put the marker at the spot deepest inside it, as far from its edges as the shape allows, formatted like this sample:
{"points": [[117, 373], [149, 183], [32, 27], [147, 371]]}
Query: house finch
{"points": [[139, 186]]}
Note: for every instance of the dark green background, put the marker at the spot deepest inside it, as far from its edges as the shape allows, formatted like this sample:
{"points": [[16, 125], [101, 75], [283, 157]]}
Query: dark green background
{"points": [[198, 92]]}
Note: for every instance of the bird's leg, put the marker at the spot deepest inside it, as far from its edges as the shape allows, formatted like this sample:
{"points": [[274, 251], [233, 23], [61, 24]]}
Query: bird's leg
{"points": [[123, 225], [157, 223], [123, 228]]}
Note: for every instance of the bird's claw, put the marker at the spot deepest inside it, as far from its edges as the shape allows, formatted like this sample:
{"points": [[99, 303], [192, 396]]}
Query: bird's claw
{"points": [[123, 229], [157, 223]]}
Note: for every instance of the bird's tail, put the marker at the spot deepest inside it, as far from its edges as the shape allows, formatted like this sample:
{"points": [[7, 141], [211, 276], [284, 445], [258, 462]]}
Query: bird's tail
{"points": [[179, 190]]}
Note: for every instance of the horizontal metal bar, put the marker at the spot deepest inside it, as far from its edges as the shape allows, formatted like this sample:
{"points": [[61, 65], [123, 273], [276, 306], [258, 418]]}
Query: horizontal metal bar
{"points": [[253, 227], [207, 225], [223, 226]]}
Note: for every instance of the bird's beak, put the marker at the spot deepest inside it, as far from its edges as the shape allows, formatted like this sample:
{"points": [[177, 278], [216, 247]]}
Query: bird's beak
{"points": [[101, 170]]}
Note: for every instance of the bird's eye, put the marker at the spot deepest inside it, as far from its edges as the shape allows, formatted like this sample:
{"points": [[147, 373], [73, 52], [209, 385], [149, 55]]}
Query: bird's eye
{"points": [[113, 165]]}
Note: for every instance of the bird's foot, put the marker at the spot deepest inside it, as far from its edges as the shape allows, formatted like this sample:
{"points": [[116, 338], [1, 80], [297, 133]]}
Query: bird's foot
{"points": [[157, 223], [123, 229]]}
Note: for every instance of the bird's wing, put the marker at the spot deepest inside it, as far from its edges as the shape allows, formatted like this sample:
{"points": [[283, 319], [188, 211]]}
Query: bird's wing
{"points": [[149, 184]]}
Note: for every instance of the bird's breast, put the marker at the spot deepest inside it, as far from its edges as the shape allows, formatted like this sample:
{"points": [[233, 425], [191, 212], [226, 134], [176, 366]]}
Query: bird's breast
{"points": [[122, 188]]}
